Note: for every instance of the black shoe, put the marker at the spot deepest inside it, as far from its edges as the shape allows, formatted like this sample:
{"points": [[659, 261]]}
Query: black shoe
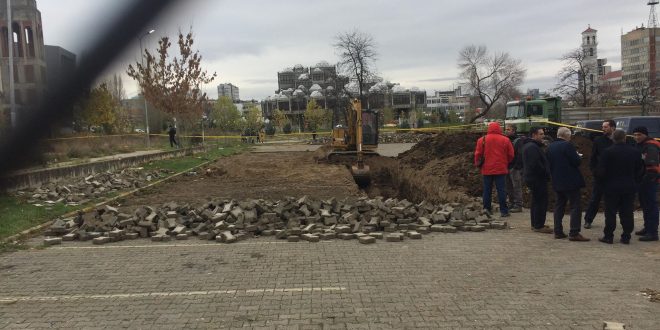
{"points": [[625, 241], [505, 215], [587, 225], [606, 240], [560, 236], [641, 232], [648, 238]]}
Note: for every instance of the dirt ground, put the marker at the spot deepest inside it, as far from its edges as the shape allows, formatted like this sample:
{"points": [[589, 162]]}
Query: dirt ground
{"points": [[437, 169], [256, 175]]}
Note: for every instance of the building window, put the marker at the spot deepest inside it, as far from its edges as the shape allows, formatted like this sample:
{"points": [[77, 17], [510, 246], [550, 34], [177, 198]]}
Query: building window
{"points": [[591, 52], [591, 78]]}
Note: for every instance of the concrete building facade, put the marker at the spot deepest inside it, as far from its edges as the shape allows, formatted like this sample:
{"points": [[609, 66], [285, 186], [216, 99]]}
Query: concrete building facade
{"points": [[229, 90], [639, 61], [60, 65], [28, 52]]}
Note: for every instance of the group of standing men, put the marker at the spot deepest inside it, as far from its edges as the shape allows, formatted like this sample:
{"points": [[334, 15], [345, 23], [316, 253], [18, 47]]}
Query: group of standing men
{"points": [[620, 171]]}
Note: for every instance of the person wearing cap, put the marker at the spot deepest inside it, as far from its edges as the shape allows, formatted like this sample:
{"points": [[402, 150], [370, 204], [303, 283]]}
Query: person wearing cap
{"points": [[620, 169], [650, 149]]}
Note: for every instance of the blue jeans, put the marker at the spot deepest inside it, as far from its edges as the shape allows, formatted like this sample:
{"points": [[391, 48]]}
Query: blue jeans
{"points": [[649, 204], [501, 192]]}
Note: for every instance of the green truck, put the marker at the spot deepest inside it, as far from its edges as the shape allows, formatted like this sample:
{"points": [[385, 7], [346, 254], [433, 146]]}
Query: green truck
{"points": [[525, 114]]}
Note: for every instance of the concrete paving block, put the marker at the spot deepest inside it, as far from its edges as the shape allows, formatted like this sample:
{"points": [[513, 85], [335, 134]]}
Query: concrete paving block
{"points": [[293, 238], [226, 237], [414, 235], [346, 236], [101, 240], [423, 229], [394, 237], [94, 234], [52, 241], [608, 325], [181, 237], [376, 235], [330, 220], [437, 228], [327, 236], [343, 229], [310, 238], [456, 223], [449, 229], [367, 240], [478, 228], [205, 235], [69, 237], [131, 235]]}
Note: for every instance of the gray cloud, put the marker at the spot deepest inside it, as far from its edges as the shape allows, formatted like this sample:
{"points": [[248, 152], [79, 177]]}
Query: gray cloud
{"points": [[247, 42]]}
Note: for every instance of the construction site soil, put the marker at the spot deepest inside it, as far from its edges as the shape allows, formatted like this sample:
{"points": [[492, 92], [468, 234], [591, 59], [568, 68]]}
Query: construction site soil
{"points": [[437, 169]]}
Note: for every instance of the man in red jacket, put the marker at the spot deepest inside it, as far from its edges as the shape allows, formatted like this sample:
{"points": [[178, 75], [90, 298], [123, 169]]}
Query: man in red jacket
{"points": [[493, 154]]}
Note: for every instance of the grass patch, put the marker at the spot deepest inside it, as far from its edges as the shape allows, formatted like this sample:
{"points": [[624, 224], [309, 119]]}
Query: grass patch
{"points": [[17, 215], [184, 163]]}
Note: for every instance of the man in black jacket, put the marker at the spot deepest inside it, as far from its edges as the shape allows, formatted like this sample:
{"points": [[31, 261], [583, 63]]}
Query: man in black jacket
{"points": [[514, 178], [536, 174], [650, 149], [620, 169], [567, 182], [599, 145]]}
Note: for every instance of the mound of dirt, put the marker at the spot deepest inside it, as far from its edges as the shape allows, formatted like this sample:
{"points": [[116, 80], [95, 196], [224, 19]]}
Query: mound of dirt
{"points": [[440, 169]]}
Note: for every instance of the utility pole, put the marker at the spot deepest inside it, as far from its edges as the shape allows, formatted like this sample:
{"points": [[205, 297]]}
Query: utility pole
{"points": [[146, 112], [10, 48]]}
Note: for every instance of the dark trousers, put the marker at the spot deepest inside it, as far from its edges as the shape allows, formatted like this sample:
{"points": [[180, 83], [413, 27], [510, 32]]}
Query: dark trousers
{"points": [[648, 202], [173, 141], [539, 208], [619, 203], [501, 192], [572, 196], [594, 202]]}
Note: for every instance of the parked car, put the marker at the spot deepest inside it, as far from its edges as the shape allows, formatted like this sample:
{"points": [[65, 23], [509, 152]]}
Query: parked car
{"points": [[591, 125], [652, 123]]}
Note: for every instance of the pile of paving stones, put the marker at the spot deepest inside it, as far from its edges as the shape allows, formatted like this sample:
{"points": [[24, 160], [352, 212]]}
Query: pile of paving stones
{"points": [[402, 137], [291, 219], [81, 190]]}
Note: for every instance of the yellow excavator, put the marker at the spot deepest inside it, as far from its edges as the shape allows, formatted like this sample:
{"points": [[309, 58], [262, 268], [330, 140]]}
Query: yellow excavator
{"points": [[356, 141]]}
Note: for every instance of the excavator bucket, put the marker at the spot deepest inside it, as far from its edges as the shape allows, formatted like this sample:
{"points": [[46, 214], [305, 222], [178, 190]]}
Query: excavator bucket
{"points": [[361, 174]]}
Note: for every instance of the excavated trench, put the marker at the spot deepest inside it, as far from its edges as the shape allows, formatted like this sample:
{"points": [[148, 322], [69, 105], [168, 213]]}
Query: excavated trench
{"points": [[440, 169]]}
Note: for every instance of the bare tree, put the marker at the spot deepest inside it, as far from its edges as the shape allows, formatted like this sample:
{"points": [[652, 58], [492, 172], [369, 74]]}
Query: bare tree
{"points": [[116, 87], [643, 95], [174, 84], [575, 78], [357, 54], [490, 77]]}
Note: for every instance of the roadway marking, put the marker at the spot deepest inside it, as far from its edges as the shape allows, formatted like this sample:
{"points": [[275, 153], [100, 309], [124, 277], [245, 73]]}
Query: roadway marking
{"points": [[10, 300], [156, 245]]}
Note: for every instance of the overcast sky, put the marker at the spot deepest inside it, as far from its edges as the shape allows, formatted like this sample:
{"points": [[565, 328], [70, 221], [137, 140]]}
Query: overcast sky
{"points": [[247, 42]]}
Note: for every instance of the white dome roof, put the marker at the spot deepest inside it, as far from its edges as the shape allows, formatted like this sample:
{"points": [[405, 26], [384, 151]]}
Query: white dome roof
{"points": [[282, 97], [316, 95], [323, 64], [303, 76], [399, 89], [302, 87], [378, 88], [287, 69], [298, 67], [330, 88], [352, 87], [317, 70], [315, 87], [298, 92]]}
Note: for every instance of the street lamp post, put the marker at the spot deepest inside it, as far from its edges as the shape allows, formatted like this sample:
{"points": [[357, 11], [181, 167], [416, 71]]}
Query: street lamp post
{"points": [[10, 50], [146, 112]]}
